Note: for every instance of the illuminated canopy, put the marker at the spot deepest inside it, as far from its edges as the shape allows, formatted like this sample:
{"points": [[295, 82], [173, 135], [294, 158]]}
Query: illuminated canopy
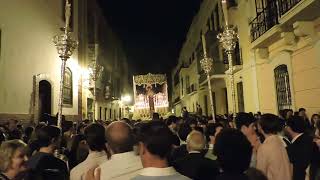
{"points": [[150, 79]]}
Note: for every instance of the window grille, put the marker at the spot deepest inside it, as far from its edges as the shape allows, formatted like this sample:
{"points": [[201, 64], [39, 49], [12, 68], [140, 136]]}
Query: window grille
{"points": [[283, 89]]}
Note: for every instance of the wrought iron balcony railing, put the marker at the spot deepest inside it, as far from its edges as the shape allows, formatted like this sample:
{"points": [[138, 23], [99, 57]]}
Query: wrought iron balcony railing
{"points": [[269, 16], [286, 5], [264, 21], [176, 100]]}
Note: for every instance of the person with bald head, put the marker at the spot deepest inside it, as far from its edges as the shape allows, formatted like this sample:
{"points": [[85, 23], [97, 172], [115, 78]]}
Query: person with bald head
{"points": [[194, 165], [124, 163]]}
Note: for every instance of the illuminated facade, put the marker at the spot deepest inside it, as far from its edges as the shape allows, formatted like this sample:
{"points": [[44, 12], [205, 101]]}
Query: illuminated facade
{"points": [[277, 57], [30, 66], [189, 80]]}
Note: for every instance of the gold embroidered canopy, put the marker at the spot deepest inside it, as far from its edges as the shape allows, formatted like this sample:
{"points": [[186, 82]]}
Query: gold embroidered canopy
{"points": [[150, 79]]}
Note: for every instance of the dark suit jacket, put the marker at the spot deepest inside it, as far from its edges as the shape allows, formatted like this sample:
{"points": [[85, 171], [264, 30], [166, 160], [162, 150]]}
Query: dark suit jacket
{"points": [[179, 153], [197, 167], [300, 154]]}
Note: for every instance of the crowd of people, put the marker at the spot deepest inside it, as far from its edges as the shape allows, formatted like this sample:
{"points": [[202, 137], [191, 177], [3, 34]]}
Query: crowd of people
{"points": [[249, 147]]}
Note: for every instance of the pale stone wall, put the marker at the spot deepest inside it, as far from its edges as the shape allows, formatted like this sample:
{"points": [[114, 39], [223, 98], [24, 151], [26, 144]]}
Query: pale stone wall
{"points": [[306, 73], [27, 50]]}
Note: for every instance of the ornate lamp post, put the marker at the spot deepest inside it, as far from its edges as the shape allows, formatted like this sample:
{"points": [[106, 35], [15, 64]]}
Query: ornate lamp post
{"points": [[65, 45], [228, 39], [95, 71], [206, 65]]}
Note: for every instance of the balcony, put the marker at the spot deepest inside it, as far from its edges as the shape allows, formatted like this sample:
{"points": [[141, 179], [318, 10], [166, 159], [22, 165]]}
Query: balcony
{"points": [[219, 68], [176, 100], [283, 13], [192, 88], [285, 6], [265, 20]]}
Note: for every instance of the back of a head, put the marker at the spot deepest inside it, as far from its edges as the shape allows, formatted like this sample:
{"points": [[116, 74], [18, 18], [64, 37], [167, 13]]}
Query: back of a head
{"points": [[155, 116], [47, 134], [244, 119], [183, 131], [269, 123], [297, 124], [212, 128], [28, 131], [120, 137], [95, 137], [195, 141], [233, 151], [157, 138], [66, 126], [171, 120]]}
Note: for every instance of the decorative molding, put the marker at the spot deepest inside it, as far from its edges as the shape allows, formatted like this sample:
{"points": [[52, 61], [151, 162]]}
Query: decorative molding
{"points": [[304, 28], [289, 38], [263, 53], [149, 79]]}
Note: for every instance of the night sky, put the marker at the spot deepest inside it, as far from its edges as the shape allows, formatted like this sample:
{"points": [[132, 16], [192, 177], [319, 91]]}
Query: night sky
{"points": [[152, 31]]}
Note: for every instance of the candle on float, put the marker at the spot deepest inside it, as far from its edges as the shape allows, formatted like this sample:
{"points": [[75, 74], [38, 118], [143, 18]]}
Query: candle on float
{"points": [[67, 15], [225, 11], [204, 45]]}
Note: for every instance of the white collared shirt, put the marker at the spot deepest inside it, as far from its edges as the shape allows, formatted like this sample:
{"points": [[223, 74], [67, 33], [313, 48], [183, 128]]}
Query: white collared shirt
{"points": [[194, 152], [152, 171], [94, 158], [295, 138], [159, 173], [210, 146], [121, 166]]}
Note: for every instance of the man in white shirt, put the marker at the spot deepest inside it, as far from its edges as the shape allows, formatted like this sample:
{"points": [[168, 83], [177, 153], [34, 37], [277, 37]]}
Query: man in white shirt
{"points": [[95, 139], [155, 142], [124, 164]]}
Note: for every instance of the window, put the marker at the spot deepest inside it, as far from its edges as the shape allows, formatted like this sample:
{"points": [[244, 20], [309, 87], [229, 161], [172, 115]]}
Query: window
{"points": [[0, 43], [240, 97], [232, 3], [212, 21], [67, 87], [182, 86], [208, 24], [237, 54], [217, 17], [188, 84], [283, 87], [105, 113]]}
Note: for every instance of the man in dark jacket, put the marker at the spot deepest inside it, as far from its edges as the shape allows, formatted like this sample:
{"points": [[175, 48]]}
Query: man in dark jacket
{"points": [[194, 164], [301, 148]]}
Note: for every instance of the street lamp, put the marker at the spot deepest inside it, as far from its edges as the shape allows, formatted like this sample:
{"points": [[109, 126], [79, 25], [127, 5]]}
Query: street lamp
{"points": [[95, 71], [65, 45], [206, 65], [228, 39]]}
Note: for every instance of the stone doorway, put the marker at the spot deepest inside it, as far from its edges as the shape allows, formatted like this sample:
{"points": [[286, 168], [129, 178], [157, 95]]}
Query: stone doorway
{"points": [[45, 97]]}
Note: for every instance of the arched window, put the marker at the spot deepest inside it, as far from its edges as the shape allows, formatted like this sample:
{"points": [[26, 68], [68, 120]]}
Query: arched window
{"points": [[283, 87], [67, 88]]}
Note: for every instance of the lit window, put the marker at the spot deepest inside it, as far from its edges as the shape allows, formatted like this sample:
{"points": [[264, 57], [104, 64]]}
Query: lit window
{"points": [[67, 87]]}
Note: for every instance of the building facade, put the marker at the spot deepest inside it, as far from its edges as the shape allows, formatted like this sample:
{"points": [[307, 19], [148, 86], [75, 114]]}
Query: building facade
{"points": [[189, 80], [30, 66], [276, 59]]}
